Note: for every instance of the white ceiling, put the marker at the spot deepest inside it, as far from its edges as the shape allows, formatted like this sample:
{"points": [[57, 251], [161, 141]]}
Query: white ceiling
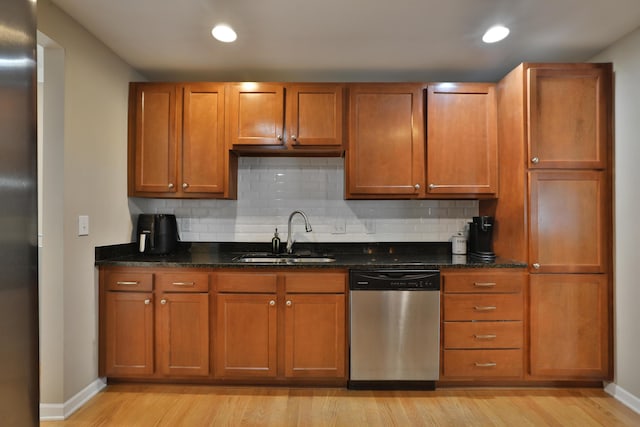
{"points": [[350, 40]]}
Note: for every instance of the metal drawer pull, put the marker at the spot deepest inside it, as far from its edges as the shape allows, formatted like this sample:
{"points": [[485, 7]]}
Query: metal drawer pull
{"points": [[486, 365], [485, 337], [484, 308], [183, 283], [484, 284], [123, 283]]}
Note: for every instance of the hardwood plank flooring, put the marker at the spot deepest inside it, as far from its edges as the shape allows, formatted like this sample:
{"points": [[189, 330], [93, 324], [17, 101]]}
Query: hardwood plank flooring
{"points": [[142, 405]]}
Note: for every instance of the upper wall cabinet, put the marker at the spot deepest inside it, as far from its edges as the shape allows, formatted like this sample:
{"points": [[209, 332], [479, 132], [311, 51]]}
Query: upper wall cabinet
{"points": [[294, 119], [385, 157], [176, 142], [462, 143], [568, 117]]}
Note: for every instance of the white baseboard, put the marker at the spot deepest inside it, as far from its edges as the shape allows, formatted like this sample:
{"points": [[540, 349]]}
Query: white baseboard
{"points": [[60, 411], [623, 396]]}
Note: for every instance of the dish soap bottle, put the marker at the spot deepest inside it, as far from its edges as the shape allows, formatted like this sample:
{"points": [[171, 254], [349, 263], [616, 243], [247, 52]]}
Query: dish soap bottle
{"points": [[275, 243]]}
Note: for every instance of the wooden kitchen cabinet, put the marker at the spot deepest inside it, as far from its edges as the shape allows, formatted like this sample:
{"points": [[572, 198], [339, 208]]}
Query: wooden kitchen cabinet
{"points": [[183, 324], [568, 117], [569, 218], [279, 118], [126, 323], [462, 141], [315, 325], [129, 334], [385, 157], [176, 141], [555, 211], [154, 324], [482, 324], [281, 325], [570, 326]]}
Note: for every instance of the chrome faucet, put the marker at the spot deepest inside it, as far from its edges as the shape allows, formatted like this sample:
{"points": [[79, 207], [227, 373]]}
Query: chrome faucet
{"points": [[307, 228]]}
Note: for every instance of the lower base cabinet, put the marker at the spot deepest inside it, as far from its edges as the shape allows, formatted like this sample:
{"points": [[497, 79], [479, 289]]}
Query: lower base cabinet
{"points": [[570, 326], [281, 325], [154, 323], [482, 325]]}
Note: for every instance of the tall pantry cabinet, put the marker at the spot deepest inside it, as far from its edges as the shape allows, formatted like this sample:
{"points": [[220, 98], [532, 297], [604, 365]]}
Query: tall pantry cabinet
{"points": [[555, 211]]}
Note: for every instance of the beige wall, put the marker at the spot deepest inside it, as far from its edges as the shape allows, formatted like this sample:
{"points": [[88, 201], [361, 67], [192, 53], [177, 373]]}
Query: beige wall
{"points": [[625, 55], [93, 183]]}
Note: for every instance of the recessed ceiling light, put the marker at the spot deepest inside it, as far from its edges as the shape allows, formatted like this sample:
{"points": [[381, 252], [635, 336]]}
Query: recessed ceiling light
{"points": [[495, 34], [224, 33]]}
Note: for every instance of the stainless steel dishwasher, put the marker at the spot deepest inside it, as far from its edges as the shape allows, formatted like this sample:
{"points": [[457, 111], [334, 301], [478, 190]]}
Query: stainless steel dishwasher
{"points": [[394, 329]]}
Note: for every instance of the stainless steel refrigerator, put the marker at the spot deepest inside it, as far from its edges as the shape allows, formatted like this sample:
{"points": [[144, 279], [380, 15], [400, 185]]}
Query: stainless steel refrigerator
{"points": [[19, 378]]}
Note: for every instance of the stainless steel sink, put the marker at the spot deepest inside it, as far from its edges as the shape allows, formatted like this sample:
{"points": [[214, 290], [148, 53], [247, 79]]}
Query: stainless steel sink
{"points": [[283, 259]]}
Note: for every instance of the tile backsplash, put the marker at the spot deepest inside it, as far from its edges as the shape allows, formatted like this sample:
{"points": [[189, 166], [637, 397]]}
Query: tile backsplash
{"points": [[270, 188]]}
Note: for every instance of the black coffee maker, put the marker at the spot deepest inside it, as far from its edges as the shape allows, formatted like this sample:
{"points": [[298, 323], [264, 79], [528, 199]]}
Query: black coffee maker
{"points": [[157, 234], [481, 238]]}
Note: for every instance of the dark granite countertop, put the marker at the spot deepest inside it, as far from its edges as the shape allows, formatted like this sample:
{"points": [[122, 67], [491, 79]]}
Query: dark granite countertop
{"points": [[347, 256]]}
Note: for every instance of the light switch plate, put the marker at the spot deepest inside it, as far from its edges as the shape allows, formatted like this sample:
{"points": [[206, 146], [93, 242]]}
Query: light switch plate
{"points": [[83, 225]]}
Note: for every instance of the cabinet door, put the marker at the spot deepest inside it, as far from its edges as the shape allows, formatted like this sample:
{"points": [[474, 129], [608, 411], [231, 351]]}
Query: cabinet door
{"points": [[246, 335], [568, 217], [568, 111], [386, 154], [462, 149], [155, 139], [570, 326], [314, 115], [315, 335], [183, 334], [255, 114], [129, 334], [203, 145]]}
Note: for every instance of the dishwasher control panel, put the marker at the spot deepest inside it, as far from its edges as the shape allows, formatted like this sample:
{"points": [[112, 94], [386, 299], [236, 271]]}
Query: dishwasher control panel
{"points": [[394, 279]]}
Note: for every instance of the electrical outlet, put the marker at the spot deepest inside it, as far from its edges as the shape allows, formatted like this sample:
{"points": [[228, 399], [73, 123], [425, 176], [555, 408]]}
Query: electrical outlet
{"points": [[83, 225], [340, 226], [370, 225]]}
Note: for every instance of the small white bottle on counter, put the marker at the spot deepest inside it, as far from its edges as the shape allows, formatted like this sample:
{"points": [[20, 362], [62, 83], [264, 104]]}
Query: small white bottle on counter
{"points": [[458, 244]]}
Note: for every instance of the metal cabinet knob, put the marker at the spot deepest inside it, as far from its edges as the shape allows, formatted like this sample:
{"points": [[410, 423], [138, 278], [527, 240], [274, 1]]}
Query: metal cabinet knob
{"points": [[295, 138], [163, 301], [185, 185], [535, 160], [417, 186], [289, 303], [147, 301], [272, 303], [170, 185], [279, 137], [536, 265], [432, 186]]}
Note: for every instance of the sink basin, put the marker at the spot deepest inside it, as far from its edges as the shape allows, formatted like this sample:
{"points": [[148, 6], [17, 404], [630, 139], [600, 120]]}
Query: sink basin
{"points": [[283, 259]]}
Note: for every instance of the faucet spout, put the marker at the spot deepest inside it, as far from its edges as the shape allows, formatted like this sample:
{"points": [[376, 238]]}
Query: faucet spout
{"points": [[307, 227]]}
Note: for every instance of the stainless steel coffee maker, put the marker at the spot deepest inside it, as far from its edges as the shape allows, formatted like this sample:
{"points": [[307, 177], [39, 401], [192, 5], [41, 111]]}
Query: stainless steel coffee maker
{"points": [[481, 238]]}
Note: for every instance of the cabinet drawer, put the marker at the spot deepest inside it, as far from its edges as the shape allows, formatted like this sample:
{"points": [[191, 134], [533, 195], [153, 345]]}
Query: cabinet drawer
{"points": [[483, 334], [328, 283], [498, 282], [482, 307], [482, 363], [129, 281], [183, 282], [246, 282]]}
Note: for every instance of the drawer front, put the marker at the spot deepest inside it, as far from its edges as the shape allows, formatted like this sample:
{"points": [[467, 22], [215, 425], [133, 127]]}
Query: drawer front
{"points": [[499, 282], [316, 283], [483, 307], [129, 281], [483, 335], [482, 363], [183, 282], [246, 282]]}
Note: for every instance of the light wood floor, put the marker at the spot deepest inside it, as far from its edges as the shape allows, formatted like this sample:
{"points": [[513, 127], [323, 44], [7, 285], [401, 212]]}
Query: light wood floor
{"points": [[175, 405]]}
